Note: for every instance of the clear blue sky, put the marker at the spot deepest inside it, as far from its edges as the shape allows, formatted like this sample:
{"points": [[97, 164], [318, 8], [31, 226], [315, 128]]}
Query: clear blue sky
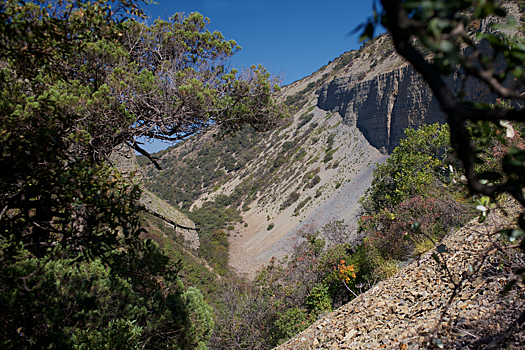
{"points": [[291, 38]]}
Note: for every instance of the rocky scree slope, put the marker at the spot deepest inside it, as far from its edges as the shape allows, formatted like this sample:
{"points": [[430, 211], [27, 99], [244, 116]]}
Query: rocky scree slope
{"points": [[417, 308]]}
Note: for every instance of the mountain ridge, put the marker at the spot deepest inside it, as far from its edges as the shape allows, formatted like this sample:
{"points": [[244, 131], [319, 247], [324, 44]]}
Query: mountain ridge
{"points": [[348, 116]]}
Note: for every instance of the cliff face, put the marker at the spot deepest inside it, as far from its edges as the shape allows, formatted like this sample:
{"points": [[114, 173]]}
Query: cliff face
{"points": [[172, 217], [124, 158], [385, 105]]}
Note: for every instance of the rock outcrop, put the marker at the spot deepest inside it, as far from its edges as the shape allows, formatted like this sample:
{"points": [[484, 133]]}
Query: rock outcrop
{"points": [[180, 222], [384, 106], [124, 158]]}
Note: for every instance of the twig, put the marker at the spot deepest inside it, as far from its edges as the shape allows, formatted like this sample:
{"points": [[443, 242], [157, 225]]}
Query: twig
{"points": [[3, 212], [351, 291]]}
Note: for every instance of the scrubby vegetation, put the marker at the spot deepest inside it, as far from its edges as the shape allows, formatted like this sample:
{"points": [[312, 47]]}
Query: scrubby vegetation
{"points": [[77, 267], [200, 169], [331, 265]]}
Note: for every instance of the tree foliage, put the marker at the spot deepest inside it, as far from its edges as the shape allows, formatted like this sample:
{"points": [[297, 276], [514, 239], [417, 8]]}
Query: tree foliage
{"points": [[77, 78], [418, 185], [417, 167], [492, 58]]}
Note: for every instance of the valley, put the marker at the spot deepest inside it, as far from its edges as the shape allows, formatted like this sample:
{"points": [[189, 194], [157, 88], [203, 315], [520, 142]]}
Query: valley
{"points": [[375, 203], [347, 117], [297, 221]]}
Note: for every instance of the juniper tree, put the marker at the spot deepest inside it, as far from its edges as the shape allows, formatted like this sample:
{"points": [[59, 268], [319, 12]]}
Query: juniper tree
{"points": [[78, 78]]}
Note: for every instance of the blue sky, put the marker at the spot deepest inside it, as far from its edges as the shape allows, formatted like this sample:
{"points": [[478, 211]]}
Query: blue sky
{"points": [[290, 38]]}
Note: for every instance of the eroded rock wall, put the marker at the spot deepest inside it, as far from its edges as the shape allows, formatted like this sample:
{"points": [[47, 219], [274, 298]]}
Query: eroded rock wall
{"points": [[384, 106]]}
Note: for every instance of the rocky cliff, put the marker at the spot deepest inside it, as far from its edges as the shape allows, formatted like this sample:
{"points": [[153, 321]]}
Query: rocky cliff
{"points": [[382, 107], [385, 105], [126, 161]]}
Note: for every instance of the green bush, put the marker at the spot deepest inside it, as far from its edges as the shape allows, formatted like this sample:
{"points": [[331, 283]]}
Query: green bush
{"points": [[302, 204], [315, 180], [417, 167], [289, 323], [292, 198], [319, 300], [304, 119]]}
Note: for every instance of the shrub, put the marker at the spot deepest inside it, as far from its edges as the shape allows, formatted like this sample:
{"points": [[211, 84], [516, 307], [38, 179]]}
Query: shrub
{"points": [[316, 179], [328, 157], [319, 300], [417, 167], [336, 232], [302, 204], [292, 198], [287, 145], [391, 232], [289, 323], [280, 160], [270, 226], [304, 119]]}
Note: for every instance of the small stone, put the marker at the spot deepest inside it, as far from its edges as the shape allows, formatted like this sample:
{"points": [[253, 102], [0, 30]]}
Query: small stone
{"points": [[350, 335]]}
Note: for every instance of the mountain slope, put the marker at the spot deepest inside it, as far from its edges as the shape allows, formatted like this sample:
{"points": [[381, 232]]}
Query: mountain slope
{"points": [[348, 116], [308, 172], [416, 309]]}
